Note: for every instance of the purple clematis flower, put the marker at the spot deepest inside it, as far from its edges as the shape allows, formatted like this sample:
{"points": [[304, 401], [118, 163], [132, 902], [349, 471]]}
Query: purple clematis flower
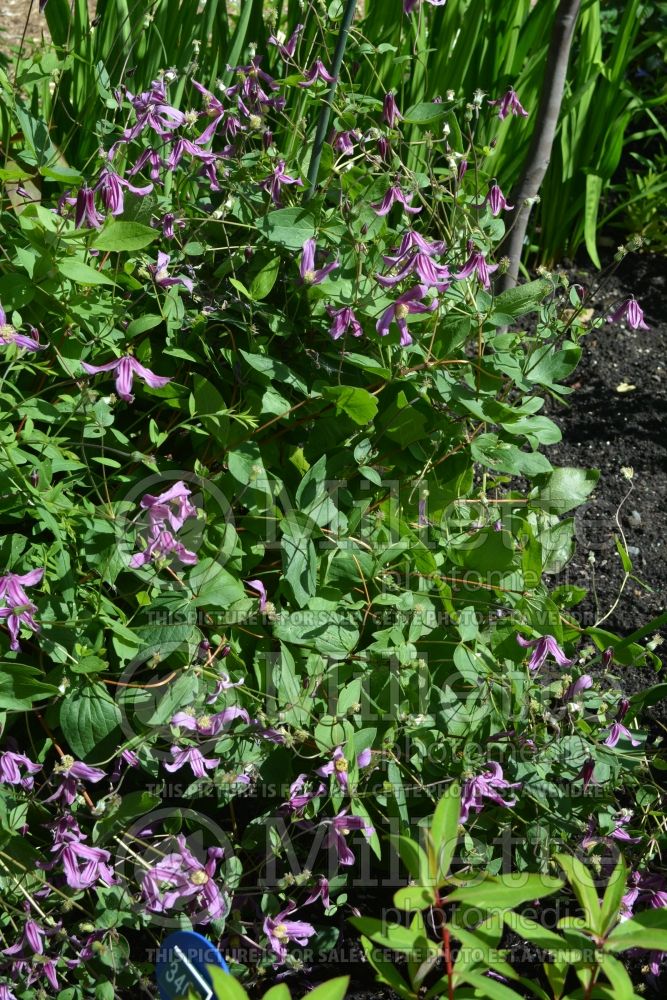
{"points": [[153, 111], [288, 48], [168, 221], [618, 730], [318, 71], [172, 506], [410, 241], [586, 773], [390, 111], [10, 769], [476, 262], [281, 931], [161, 543], [321, 891], [509, 104], [180, 879], [429, 273], [338, 766], [340, 826], [85, 866], [213, 109], [343, 320], [496, 201], [582, 683], [69, 773], [487, 785], [399, 310], [276, 180], [161, 275], [393, 195], [618, 833], [85, 213], [154, 160], [309, 274], [345, 141], [223, 683], [33, 939], [543, 647], [18, 609], [259, 587], [299, 797], [110, 189], [9, 335], [126, 368], [209, 725], [194, 758], [632, 310]]}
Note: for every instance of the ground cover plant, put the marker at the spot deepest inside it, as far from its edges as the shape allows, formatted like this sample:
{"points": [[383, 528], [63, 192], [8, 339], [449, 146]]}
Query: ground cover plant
{"points": [[278, 534]]}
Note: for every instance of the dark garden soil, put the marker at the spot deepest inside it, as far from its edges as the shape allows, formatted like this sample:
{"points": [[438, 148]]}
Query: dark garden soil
{"points": [[616, 419]]}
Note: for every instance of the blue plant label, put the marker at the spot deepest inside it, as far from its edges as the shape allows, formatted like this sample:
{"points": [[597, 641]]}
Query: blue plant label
{"points": [[181, 965]]}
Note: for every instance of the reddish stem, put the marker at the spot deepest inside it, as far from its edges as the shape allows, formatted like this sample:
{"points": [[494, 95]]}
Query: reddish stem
{"points": [[446, 945]]}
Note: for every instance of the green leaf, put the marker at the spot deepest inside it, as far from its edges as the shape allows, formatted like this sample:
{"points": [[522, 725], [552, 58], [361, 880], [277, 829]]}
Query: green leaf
{"points": [[414, 897], [618, 977], [279, 992], [321, 628], [226, 986], [16, 291], [413, 857], [213, 585], [425, 113], [117, 236], [82, 274], [522, 298], [299, 555], [386, 971], [646, 930], [264, 280], [358, 404], [613, 894], [582, 883], [443, 834], [142, 324], [88, 717], [564, 489], [388, 935], [489, 987], [334, 989], [594, 184], [626, 561], [289, 227], [19, 689], [531, 931], [504, 892]]}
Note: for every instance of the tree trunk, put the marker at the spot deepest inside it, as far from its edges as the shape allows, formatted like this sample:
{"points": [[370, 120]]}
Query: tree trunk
{"points": [[539, 153]]}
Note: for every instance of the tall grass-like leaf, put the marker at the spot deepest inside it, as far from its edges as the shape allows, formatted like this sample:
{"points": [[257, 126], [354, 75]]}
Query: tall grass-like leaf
{"points": [[593, 192]]}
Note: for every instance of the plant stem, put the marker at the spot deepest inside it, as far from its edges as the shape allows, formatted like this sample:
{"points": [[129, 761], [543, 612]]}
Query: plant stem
{"points": [[446, 946], [325, 112], [539, 152]]}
